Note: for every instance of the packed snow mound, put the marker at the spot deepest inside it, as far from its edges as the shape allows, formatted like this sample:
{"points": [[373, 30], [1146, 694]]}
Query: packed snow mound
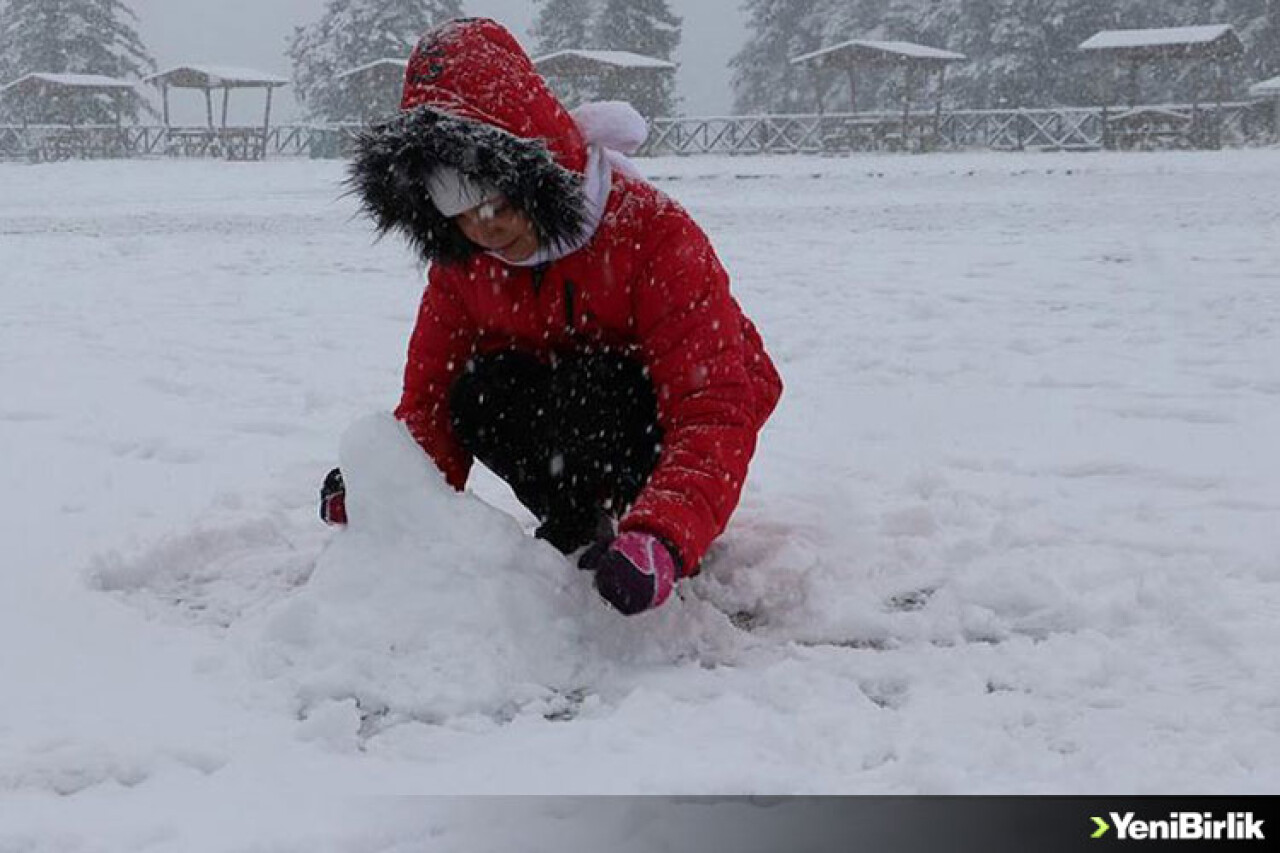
{"points": [[432, 604]]}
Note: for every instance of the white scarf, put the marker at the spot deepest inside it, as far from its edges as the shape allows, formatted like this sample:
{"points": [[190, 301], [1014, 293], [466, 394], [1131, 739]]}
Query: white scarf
{"points": [[611, 129]]}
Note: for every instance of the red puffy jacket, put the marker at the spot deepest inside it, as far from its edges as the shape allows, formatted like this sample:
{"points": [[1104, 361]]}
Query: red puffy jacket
{"points": [[648, 283]]}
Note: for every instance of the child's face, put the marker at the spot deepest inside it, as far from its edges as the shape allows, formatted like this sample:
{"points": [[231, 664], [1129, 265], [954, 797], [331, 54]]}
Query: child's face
{"points": [[499, 227]]}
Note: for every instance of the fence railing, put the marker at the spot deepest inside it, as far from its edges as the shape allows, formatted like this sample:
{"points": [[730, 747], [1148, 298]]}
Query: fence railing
{"points": [[44, 143], [313, 140], [1065, 128]]}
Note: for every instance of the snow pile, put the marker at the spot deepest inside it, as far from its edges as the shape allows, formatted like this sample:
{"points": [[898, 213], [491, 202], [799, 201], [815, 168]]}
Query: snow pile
{"points": [[429, 605], [432, 606]]}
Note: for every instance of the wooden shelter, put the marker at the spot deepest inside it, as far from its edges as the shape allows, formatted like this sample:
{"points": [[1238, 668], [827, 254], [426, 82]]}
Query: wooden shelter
{"points": [[41, 85], [62, 141], [376, 86], [1266, 89], [1269, 90], [207, 78], [859, 55], [584, 75], [1207, 46]]}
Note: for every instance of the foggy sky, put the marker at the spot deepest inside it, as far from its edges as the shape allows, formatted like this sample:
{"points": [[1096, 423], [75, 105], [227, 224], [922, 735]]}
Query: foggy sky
{"points": [[253, 33]]}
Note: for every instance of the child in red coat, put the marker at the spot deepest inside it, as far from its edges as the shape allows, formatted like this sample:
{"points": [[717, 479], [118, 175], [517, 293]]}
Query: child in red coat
{"points": [[577, 335]]}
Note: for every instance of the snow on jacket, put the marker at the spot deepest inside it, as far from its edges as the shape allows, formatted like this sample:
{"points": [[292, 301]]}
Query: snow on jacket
{"points": [[647, 284]]}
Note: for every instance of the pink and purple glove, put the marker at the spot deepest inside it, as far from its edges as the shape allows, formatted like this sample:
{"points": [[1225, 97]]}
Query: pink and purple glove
{"points": [[635, 573]]}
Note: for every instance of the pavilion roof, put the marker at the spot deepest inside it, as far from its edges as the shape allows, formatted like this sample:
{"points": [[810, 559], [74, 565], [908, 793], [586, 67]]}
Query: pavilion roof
{"points": [[378, 64], [1266, 88], [88, 83], [573, 63], [872, 52], [216, 77], [1212, 40]]}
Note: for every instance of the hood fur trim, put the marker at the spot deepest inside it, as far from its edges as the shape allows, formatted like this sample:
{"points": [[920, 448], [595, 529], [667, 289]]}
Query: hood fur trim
{"points": [[393, 159]]}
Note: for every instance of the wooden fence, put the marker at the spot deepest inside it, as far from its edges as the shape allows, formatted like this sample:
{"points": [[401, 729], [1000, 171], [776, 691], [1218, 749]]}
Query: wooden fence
{"points": [[1066, 128]]}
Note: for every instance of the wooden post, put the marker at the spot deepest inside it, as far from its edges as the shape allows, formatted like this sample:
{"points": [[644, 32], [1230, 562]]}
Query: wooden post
{"points": [[1197, 124], [853, 88], [937, 115], [121, 144], [906, 107], [226, 97], [164, 93], [266, 116], [266, 122], [1219, 94], [208, 106]]}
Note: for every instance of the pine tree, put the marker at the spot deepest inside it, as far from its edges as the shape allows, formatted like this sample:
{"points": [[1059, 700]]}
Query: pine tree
{"points": [[351, 33], [1020, 52], [563, 25], [764, 80], [1266, 59], [566, 25], [649, 28], [72, 37]]}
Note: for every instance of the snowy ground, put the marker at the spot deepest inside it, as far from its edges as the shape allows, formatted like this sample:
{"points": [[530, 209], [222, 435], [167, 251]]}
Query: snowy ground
{"points": [[1013, 529]]}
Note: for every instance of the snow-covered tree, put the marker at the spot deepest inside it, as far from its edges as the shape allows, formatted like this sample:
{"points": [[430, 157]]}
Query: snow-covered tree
{"points": [[563, 24], [1020, 52], [764, 80], [1265, 61], [72, 37], [649, 28], [566, 25], [351, 33]]}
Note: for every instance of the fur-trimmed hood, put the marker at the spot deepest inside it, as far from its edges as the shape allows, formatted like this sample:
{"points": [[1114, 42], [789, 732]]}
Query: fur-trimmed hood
{"points": [[473, 101]]}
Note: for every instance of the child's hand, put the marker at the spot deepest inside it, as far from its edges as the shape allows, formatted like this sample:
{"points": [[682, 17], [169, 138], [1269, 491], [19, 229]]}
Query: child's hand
{"points": [[635, 573], [333, 499]]}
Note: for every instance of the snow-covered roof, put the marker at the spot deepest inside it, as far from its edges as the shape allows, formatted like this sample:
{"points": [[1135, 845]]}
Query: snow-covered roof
{"points": [[215, 77], [1165, 39], [1266, 89], [867, 50], [85, 82], [389, 63], [568, 63]]}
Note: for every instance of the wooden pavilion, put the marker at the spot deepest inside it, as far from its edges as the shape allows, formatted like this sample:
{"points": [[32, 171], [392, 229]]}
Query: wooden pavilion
{"points": [[62, 142], [854, 57], [234, 142], [572, 66], [1269, 90], [1208, 48], [41, 86]]}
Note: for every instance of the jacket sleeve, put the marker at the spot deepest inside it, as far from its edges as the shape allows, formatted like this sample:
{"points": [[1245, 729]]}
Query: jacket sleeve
{"points": [[689, 329], [442, 341]]}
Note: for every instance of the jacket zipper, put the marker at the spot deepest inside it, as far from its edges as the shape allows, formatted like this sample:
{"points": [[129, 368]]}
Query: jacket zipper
{"points": [[568, 304]]}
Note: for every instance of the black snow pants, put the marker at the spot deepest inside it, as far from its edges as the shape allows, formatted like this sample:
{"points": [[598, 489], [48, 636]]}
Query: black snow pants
{"points": [[576, 438]]}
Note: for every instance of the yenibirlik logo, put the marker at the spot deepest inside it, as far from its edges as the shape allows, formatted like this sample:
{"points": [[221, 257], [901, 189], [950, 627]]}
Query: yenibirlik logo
{"points": [[1182, 826]]}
